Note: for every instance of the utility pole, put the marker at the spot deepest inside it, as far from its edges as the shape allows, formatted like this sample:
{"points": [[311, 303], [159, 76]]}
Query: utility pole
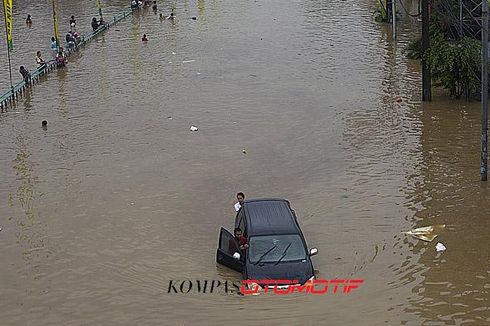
{"points": [[426, 77], [389, 8], [460, 19], [484, 92], [393, 9]]}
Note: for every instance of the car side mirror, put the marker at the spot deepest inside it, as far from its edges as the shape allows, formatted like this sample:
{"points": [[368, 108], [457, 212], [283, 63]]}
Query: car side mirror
{"points": [[313, 251], [236, 255]]}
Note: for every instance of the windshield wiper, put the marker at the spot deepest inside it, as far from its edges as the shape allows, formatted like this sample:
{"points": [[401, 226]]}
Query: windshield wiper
{"points": [[283, 253], [265, 254]]}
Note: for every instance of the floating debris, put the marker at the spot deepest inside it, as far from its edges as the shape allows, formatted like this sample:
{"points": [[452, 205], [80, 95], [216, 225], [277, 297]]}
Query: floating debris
{"points": [[188, 61], [440, 247], [426, 233], [194, 128]]}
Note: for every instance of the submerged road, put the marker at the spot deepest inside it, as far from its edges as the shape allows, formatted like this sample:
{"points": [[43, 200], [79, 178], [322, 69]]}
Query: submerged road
{"points": [[118, 197]]}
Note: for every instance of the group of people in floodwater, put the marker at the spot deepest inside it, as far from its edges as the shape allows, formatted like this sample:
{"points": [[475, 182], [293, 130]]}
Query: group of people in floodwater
{"points": [[73, 38], [136, 4]]}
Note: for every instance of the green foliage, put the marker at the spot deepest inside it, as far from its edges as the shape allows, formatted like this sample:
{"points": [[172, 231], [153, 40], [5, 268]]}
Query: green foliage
{"points": [[383, 15], [454, 64], [414, 49]]}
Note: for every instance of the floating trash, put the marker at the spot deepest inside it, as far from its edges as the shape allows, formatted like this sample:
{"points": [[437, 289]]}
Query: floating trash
{"points": [[440, 247], [194, 128], [426, 233], [174, 53]]}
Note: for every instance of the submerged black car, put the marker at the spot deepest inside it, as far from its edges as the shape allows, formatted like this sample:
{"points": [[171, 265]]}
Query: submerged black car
{"points": [[277, 248]]}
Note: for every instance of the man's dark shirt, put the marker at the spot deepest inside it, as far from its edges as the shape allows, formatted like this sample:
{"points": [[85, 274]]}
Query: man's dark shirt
{"points": [[26, 74]]}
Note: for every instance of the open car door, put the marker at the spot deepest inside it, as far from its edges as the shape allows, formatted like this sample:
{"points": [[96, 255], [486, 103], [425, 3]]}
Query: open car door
{"points": [[227, 246]]}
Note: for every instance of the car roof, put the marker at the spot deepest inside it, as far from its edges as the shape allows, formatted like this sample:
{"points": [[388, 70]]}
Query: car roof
{"points": [[269, 216]]}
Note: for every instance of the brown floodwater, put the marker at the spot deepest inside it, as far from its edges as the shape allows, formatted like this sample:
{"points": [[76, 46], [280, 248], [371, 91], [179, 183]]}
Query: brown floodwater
{"points": [[117, 197]]}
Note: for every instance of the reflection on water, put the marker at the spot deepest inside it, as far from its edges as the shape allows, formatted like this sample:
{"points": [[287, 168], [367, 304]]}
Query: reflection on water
{"points": [[116, 197], [455, 286], [30, 227]]}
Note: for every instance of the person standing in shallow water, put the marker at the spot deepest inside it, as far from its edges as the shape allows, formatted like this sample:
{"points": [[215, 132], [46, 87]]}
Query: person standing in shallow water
{"points": [[25, 74], [60, 58], [29, 20], [73, 24], [54, 47], [71, 41], [240, 197], [95, 24], [144, 38], [39, 60]]}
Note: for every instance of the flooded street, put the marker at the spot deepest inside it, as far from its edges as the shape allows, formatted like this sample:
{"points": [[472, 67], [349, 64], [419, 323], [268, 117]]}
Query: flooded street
{"points": [[117, 197]]}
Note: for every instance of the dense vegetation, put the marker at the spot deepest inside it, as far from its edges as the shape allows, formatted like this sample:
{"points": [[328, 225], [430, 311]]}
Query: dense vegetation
{"points": [[454, 58]]}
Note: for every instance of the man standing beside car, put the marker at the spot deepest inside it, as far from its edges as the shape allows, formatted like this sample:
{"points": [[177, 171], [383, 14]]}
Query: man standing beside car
{"points": [[240, 197]]}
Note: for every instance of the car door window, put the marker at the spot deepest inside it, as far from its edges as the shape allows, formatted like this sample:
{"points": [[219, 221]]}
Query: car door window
{"points": [[228, 244]]}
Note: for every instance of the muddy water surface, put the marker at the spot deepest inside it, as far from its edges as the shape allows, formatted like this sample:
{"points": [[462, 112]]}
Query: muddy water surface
{"points": [[117, 197]]}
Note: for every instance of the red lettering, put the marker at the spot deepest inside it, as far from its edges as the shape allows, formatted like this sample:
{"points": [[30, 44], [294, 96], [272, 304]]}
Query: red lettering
{"points": [[322, 291], [352, 285], [283, 287], [266, 283], [283, 291], [337, 282], [305, 287], [253, 284]]}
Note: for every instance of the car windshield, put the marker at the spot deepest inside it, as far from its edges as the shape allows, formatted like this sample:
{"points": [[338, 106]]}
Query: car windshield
{"points": [[272, 248]]}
